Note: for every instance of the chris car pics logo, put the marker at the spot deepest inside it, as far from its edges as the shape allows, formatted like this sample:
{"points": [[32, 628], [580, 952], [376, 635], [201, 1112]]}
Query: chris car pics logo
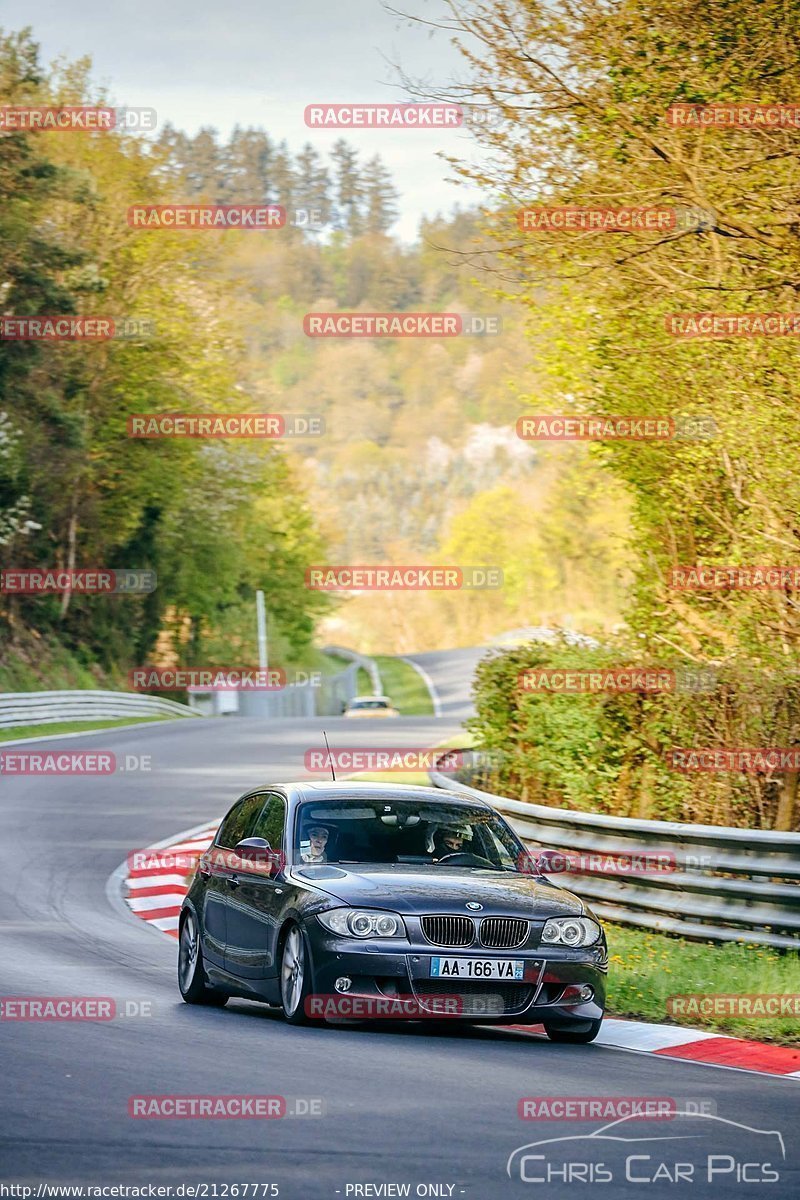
{"points": [[696, 1149]]}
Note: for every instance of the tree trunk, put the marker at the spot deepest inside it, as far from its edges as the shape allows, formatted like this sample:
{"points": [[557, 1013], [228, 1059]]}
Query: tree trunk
{"points": [[72, 537], [787, 800]]}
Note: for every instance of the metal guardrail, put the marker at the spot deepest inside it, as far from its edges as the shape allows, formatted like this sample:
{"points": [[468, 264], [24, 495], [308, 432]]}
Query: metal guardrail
{"points": [[326, 699], [43, 708], [726, 885]]}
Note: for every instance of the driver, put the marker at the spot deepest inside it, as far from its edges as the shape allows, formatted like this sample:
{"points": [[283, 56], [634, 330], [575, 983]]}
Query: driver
{"points": [[451, 838]]}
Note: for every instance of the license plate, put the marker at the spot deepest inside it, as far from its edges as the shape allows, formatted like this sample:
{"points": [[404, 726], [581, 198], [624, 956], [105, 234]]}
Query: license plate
{"points": [[478, 968]]}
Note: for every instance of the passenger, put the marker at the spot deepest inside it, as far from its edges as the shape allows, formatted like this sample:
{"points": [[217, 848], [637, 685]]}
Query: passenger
{"points": [[318, 838]]}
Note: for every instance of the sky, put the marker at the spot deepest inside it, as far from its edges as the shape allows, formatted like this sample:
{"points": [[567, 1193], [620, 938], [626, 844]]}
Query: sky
{"points": [[259, 62]]}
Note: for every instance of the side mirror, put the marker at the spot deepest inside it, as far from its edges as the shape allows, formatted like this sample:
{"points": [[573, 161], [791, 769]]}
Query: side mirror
{"points": [[543, 863], [551, 862], [251, 847], [257, 852]]}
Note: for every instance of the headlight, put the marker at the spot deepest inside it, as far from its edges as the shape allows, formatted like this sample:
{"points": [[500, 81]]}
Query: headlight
{"points": [[570, 931], [362, 923]]}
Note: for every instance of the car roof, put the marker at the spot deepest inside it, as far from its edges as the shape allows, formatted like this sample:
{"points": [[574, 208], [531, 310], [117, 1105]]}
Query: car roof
{"points": [[344, 790], [359, 699]]}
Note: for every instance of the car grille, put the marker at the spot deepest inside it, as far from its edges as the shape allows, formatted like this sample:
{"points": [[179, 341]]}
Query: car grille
{"points": [[479, 998], [503, 932], [449, 931]]}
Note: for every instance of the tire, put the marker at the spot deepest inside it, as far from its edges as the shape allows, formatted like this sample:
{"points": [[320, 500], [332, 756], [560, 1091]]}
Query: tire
{"points": [[575, 1036], [191, 974], [295, 977]]}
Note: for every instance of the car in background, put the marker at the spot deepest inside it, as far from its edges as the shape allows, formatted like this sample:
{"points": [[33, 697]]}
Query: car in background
{"points": [[416, 902], [370, 706]]}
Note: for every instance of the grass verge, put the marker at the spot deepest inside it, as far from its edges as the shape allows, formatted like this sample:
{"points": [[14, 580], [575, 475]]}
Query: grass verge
{"points": [[26, 731], [363, 683], [647, 968], [406, 687]]}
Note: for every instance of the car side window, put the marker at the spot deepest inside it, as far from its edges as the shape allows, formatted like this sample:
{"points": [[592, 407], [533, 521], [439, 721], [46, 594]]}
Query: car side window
{"points": [[271, 822], [237, 824]]}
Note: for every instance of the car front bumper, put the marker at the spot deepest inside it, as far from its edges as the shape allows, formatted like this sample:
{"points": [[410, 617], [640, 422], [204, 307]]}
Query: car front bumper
{"points": [[395, 982]]}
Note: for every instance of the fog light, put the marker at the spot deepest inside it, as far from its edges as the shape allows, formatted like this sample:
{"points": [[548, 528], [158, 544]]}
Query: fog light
{"points": [[344, 983], [586, 992]]}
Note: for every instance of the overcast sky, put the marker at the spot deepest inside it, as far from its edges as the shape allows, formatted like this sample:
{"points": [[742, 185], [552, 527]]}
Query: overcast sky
{"points": [[259, 62]]}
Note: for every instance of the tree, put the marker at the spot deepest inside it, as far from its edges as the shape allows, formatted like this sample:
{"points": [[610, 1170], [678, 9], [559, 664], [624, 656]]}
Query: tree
{"points": [[313, 183], [349, 189], [76, 490], [583, 94], [380, 197], [247, 160]]}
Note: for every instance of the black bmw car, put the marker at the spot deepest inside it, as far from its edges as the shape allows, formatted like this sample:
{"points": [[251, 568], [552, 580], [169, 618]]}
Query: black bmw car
{"points": [[354, 900]]}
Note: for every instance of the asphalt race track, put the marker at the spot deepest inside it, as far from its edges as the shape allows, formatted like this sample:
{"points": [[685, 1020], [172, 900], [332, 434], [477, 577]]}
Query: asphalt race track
{"points": [[451, 673], [420, 1105]]}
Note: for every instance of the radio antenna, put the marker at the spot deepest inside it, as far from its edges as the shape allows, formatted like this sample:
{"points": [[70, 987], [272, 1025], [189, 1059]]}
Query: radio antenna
{"points": [[330, 760]]}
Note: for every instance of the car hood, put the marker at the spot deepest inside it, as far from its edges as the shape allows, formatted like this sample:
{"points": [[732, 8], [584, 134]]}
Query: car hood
{"points": [[442, 889]]}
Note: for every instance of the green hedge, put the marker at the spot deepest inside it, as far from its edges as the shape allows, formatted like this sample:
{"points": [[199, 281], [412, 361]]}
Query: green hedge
{"points": [[608, 751]]}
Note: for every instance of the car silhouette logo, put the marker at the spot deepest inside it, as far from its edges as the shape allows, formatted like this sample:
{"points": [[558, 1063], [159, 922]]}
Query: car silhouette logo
{"points": [[706, 1143], [473, 904]]}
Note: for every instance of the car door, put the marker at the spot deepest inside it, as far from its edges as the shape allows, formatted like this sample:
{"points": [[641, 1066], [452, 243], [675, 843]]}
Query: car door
{"points": [[216, 868], [255, 904]]}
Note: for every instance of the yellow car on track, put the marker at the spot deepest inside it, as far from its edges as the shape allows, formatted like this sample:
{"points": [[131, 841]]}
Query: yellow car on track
{"points": [[370, 706]]}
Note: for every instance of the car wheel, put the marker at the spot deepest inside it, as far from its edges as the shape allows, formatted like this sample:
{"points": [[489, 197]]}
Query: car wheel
{"points": [[580, 1036], [295, 976], [191, 973]]}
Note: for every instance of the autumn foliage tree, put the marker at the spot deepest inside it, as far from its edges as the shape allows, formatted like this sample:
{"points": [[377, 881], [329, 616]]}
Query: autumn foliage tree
{"points": [[583, 91]]}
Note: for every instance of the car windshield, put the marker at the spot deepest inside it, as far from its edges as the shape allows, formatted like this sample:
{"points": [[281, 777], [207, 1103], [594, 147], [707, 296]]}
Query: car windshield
{"points": [[369, 704], [405, 831]]}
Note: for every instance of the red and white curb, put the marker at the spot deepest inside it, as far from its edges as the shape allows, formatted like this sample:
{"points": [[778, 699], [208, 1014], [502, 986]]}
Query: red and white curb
{"points": [[155, 892], [694, 1045], [155, 887]]}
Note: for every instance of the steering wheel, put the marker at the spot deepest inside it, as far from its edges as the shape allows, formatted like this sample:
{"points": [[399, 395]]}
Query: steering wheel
{"points": [[466, 859]]}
